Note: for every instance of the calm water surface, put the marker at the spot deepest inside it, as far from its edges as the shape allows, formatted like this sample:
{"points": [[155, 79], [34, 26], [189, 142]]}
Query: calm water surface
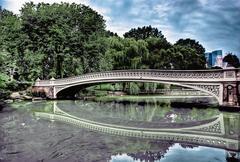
{"points": [[25, 137]]}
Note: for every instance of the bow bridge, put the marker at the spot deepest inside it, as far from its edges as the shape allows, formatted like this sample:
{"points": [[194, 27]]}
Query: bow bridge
{"points": [[223, 84]]}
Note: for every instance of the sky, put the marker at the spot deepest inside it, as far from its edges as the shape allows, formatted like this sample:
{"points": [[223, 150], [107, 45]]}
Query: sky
{"points": [[214, 23]]}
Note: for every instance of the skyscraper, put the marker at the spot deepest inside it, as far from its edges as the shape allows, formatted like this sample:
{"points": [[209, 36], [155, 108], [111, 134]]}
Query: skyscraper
{"points": [[214, 58]]}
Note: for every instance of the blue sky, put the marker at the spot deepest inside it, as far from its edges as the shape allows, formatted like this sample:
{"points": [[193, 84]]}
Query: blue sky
{"points": [[214, 23]]}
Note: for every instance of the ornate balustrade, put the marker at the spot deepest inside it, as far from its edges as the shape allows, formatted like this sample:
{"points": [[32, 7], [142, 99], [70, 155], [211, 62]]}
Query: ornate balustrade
{"points": [[164, 75]]}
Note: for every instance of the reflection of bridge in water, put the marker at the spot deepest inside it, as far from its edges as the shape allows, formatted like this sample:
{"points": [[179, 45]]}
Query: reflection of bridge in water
{"points": [[221, 132]]}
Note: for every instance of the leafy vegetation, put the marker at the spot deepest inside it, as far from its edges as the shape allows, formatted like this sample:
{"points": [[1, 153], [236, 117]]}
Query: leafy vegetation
{"points": [[63, 40], [232, 60]]}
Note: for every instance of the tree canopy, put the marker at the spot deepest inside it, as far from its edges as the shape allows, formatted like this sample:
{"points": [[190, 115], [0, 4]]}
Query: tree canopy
{"points": [[143, 33], [192, 44], [232, 60], [62, 40]]}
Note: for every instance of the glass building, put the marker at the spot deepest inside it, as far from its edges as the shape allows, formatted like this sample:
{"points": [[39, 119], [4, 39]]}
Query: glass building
{"points": [[214, 58]]}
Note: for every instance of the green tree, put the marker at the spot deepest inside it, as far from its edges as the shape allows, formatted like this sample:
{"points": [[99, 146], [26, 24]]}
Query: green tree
{"points": [[133, 88], [199, 50], [95, 56], [185, 58], [10, 32], [127, 53], [232, 60], [192, 44], [59, 30], [157, 53], [143, 33]]}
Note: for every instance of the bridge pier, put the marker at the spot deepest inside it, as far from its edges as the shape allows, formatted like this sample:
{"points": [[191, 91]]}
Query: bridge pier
{"points": [[231, 95]]}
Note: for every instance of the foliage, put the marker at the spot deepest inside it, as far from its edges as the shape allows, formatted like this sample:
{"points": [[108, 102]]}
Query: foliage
{"points": [[127, 53], [95, 56], [100, 93], [192, 44], [63, 40], [60, 33], [232, 60], [10, 32], [12, 85], [186, 58], [3, 79], [197, 57], [4, 93], [143, 33], [133, 89]]}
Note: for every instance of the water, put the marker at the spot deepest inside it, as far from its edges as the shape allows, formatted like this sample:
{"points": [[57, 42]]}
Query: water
{"points": [[26, 137]]}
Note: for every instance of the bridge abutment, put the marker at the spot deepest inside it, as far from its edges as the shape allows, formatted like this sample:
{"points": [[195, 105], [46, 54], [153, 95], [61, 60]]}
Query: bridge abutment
{"points": [[231, 94], [43, 92]]}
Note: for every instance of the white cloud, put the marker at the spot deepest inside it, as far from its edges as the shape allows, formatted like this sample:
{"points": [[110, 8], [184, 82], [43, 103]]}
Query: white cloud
{"points": [[162, 9], [169, 33], [203, 2], [105, 12], [118, 28], [140, 9], [101, 10]]}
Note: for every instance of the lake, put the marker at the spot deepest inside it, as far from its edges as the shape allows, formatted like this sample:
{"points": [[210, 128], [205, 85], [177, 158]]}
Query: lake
{"points": [[25, 135]]}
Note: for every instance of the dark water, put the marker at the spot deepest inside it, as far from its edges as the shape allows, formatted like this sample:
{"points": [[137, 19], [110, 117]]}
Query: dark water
{"points": [[25, 137]]}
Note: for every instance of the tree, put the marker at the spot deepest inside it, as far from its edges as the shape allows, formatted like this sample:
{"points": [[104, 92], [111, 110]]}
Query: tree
{"points": [[56, 31], [232, 60], [108, 33], [192, 44], [185, 58], [199, 51], [10, 32], [157, 52], [127, 53], [143, 33], [95, 56]]}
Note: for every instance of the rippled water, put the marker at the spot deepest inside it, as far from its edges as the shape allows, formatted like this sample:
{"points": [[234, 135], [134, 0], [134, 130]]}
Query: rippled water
{"points": [[25, 137]]}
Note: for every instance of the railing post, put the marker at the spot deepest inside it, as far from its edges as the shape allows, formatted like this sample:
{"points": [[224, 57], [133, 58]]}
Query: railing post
{"points": [[37, 82], [52, 81], [52, 88]]}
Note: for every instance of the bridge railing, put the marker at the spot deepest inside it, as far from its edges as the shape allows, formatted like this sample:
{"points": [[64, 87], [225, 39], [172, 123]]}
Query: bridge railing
{"points": [[168, 75]]}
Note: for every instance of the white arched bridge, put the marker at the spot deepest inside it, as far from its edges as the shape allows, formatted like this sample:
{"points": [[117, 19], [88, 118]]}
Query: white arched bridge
{"points": [[223, 84]]}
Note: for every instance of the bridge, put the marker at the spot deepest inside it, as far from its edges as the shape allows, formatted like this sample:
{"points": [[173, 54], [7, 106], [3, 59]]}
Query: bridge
{"points": [[216, 132], [223, 84]]}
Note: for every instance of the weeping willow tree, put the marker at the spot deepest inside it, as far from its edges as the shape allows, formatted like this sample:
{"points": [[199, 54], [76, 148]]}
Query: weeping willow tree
{"points": [[133, 88]]}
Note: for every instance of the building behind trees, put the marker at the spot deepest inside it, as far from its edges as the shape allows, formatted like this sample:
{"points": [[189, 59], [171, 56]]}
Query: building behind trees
{"points": [[214, 59]]}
